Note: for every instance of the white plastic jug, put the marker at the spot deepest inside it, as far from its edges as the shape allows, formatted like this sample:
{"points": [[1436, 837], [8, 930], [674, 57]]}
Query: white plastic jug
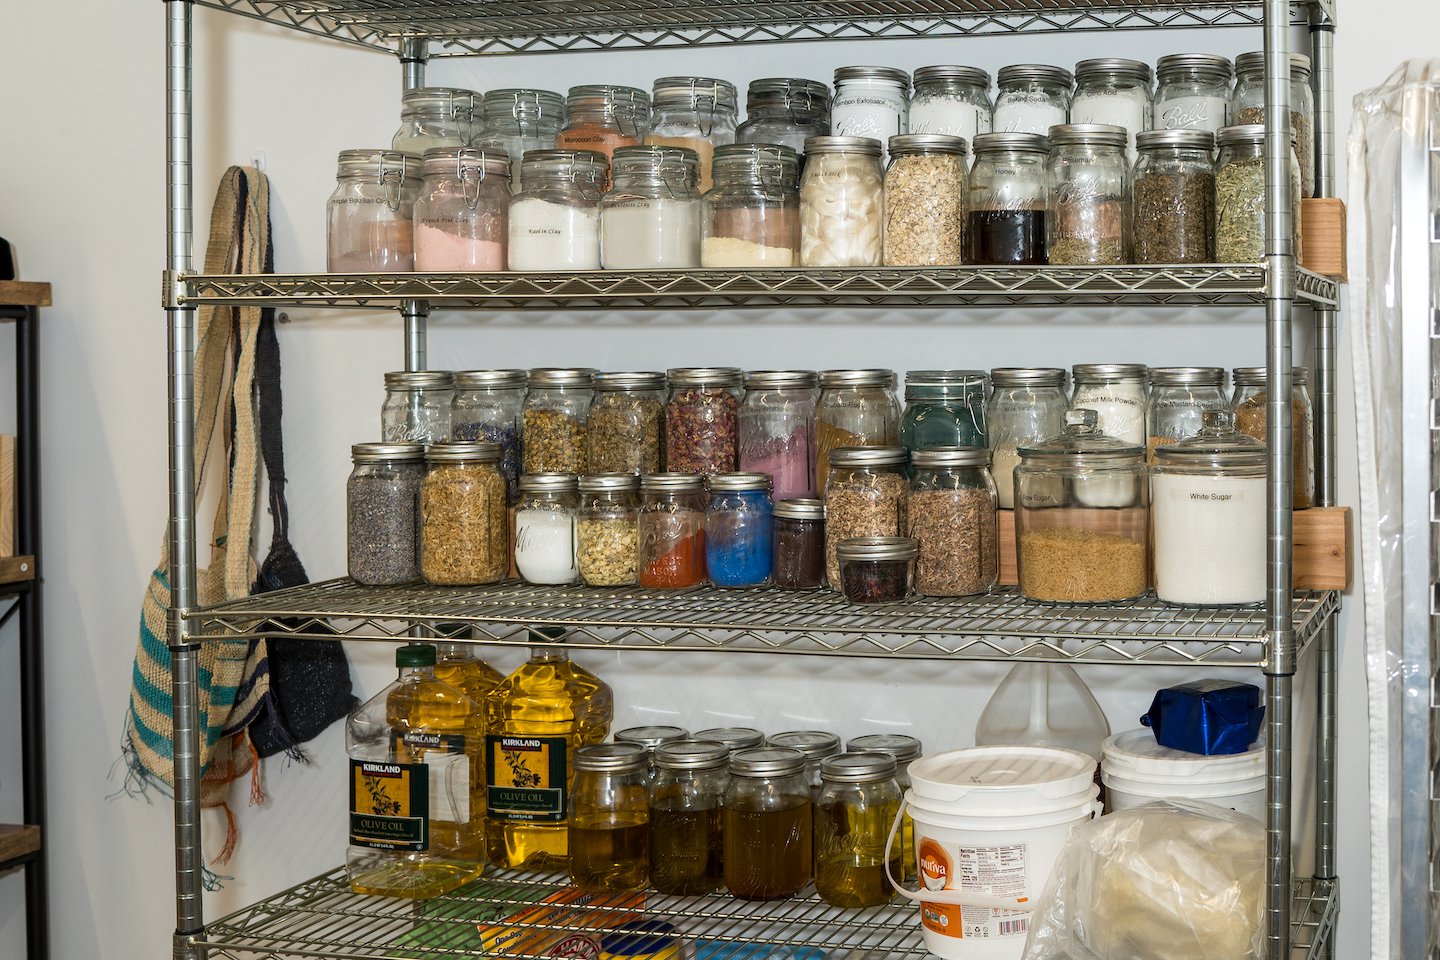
{"points": [[1043, 705]]}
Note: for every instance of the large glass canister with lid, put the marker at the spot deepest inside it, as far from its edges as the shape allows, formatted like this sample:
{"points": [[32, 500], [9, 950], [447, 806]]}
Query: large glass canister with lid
{"points": [[1082, 516], [865, 497], [777, 429], [1114, 91], [842, 200], [739, 528], [370, 217], [799, 552], [944, 408], [609, 829], [555, 220], [602, 117], [768, 824], [1192, 92], [1031, 98], [926, 189], [518, 121], [951, 512], [1251, 417], [557, 410], [464, 520], [905, 750], [487, 406], [1179, 399], [814, 746], [1007, 200], [857, 408], [546, 518], [1240, 196], [382, 513], [1027, 405], [951, 100], [751, 217], [702, 420], [687, 797], [870, 102], [436, 117], [1119, 395], [1209, 500], [1175, 197], [417, 406], [700, 113], [461, 213], [857, 804], [1247, 106], [607, 536], [670, 553], [785, 111], [625, 427], [1088, 210], [650, 218]]}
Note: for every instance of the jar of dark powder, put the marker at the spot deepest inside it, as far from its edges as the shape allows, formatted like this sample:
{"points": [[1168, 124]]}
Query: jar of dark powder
{"points": [[382, 513], [702, 420], [1088, 210], [799, 552], [864, 497], [877, 569], [557, 410], [1175, 197], [487, 408], [951, 515], [624, 432]]}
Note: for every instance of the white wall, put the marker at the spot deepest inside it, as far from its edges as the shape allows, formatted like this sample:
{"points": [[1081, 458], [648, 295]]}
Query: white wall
{"points": [[83, 201]]}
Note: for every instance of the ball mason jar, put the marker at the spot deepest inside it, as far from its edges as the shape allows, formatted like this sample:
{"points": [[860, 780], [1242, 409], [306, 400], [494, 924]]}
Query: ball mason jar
{"points": [[650, 218], [857, 803], [951, 100], [799, 550], [739, 530], [702, 420], [865, 497], [700, 113], [1119, 395], [857, 408], [488, 406], [518, 121], [436, 117], [926, 193], [735, 739], [777, 429], [786, 111], [951, 513], [370, 216], [555, 416], [1240, 196], [870, 102], [555, 220], [905, 750], [671, 549], [1027, 406], [601, 117], [944, 408], [625, 428], [1247, 105], [652, 738], [417, 407], [1088, 206], [609, 818], [464, 520], [607, 535], [1179, 399], [1007, 200], [814, 746], [1192, 92], [461, 212], [382, 513], [842, 197], [768, 824], [1116, 92], [1251, 415], [1175, 197], [546, 518], [751, 217], [1031, 98], [687, 799]]}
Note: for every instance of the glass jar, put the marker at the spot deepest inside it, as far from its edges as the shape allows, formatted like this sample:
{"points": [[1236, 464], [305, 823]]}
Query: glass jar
{"points": [[651, 217], [814, 746], [734, 739], [1251, 417], [371, 226], [870, 102], [842, 197], [752, 216], [853, 814], [600, 117], [1247, 106], [1082, 516], [1179, 399], [518, 121], [1192, 92], [436, 117], [624, 426], [865, 497], [1027, 406], [777, 429], [557, 409], [464, 522], [877, 569], [461, 213], [799, 549], [944, 408], [609, 832], [768, 824], [950, 100], [1175, 197], [487, 406], [652, 739], [1115, 92], [1031, 98], [382, 513], [417, 406], [1007, 199], [1209, 497], [1088, 207], [700, 113], [1240, 196], [1118, 393], [951, 513], [608, 532], [671, 549], [739, 528], [687, 796], [925, 195], [546, 545], [857, 408], [905, 750], [555, 220], [786, 111], [702, 420]]}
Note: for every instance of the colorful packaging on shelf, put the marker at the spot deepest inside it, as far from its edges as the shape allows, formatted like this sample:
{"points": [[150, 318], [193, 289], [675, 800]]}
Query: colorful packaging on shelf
{"points": [[728, 950], [564, 924], [449, 922], [1206, 716]]}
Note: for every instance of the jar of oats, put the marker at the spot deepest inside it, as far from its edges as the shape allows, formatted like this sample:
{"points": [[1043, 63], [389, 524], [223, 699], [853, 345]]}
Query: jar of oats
{"points": [[925, 200], [464, 519]]}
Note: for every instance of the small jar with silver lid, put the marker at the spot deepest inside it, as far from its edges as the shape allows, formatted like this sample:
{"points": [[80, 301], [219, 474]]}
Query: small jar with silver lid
{"points": [[1117, 92], [650, 218], [814, 745], [700, 113], [382, 513], [854, 809], [1247, 105], [488, 407], [370, 216], [1088, 211], [799, 544], [702, 420], [739, 529], [877, 569], [870, 102], [545, 528], [905, 750], [1193, 92], [1027, 406], [1118, 393], [951, 100], [607, 535], [1179, 400], [842, 203], [518, 121], [461, 213], [417, 406], [785, 111], [437, 117], [734, 739], [555, 220], [556, 412], [769, 824], [1031, 98], [1007, 200], [625, 427], [1175, 197], [925, 201], [687, 795], [777, 429], [652, 739], [751, 218], [602, 117]]}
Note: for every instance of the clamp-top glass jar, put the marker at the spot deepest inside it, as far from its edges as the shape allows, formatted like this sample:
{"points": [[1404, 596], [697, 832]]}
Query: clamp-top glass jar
{"points": [[870, 102], [518, 121], [857, 804], [925, 197], [1031, 98], [464, 523], [739, 530], [785, 111], [842, 203], [545, 528], [951, 513], [671, 551], [555, 220], [1193, 92], [382, 513], [488, 407], [609, 832], [1119, 395], [751, 218], [695, 112], [436, 117], [769, 824], [702, 420], [601, 117], [1240, 196], [608, 532], [777, 429], [1007, 199], [1247, 105], [417, 407], [1088, 211], [905, 750], [1251, 417], [1175, 197], [624, 429], [944, 408], [370, 215], [865, 497], [651, 217], [461, 213], [687, 794], [1027, 406], [951, 100], [557, 409], [1116, 92], [1179, 400], [857, 408]]}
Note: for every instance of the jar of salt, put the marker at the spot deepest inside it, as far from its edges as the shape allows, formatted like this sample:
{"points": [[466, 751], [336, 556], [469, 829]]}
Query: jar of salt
{"points": [[460, 214], [546, 544]]}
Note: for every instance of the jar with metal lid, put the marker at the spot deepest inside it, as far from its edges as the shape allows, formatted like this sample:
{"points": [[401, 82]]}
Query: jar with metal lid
{"points": [[799, 549], [856, 806], [951, 100], [951, 514], [1027, 406], [1209, 501], [487, 406], [926, 191], [556, 412], [1119, 395], [545, 535], [382, 513], [1247, 106], [464, 521], [1117, 92], [735, 739], [1088, 210], [624, 427], [739, 528], [944, 408], [842, 199], [1251, 418], [751, 218], [1175, 197], [1240, 196], [870, 102], [650, 218], [786, 111], [687, 796], [671, 549], [601, 117], [1192, 92], [609, 832], [608, 531], [370, 215], [768, 824], [702, 420], [417, 406], [865, 497], [652, 739], [814, 745], [1179, 399], [555, 220], [905, 750], [1007, 199], [1031, 98], [857, 408], [518, 121], [1082, 516], [700, 113], [877, 569], [461, 213], [437, 117], [777, 429]]}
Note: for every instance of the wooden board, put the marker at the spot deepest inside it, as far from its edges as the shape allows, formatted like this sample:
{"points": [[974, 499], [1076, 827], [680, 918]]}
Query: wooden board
{"points": [[1323, 237], [16, 841], [7, 495], [23, 293], [16, 569]]}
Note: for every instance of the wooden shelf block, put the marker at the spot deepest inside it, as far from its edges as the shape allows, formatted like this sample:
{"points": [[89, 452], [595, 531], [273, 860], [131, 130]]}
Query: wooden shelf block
{"points": [[1322, 238], [17, 569], [17, 840], [24, 293]]}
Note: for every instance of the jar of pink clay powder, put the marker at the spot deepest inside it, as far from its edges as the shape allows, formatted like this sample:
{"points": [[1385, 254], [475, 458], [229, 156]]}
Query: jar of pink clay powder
{"points": [[461, 218]]}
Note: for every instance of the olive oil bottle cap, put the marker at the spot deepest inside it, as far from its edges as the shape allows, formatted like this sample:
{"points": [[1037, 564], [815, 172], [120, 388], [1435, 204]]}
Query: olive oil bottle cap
{"points": [[415, 655]]}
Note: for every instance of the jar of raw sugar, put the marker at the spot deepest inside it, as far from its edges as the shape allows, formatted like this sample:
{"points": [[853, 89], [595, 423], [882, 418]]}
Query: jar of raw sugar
{"points": [[461, 212]]}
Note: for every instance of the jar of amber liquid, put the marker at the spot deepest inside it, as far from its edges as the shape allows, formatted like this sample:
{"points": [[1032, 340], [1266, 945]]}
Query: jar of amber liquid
{"points": [[859, 800], [610, 819], [768, 824], [686, 797]]}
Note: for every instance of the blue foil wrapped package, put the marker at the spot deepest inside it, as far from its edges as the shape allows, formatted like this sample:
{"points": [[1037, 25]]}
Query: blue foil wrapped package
{"points": [[1207, 716]]}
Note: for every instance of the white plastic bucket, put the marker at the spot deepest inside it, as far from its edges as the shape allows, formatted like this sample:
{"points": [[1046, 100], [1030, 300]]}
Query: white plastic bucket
{"points": [[989, 825], [1136, 770]]}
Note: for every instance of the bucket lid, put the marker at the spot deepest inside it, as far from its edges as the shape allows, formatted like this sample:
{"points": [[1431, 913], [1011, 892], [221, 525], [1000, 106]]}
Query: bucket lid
{"points": [[1001, 780], [1135, 755]]}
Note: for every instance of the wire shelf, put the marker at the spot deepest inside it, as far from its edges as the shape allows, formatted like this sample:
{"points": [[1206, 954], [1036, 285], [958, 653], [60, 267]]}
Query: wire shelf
{"points": [[999, 626], [1223, 285]]}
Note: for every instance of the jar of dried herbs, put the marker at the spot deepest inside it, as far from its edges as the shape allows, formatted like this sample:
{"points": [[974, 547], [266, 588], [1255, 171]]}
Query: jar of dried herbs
{"points": [[944, 408], [1088, 205], [877, 569], [1175, 197], [382, 513], [464, 521], [557, 410], [487, 407], [702, 420], [608, 529], [857, 408], [1247, 105], [865, 497], [925, 194], [417, 407], [623, 430], [1250, 419], [670, 553], [1027, 406], [951, 515], [1240, 196], [799, 552], [545, 528], [1179, 399]]}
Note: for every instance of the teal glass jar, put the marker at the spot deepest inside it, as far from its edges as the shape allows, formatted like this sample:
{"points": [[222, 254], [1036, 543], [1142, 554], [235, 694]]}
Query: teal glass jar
{"points": [[944, 408]]}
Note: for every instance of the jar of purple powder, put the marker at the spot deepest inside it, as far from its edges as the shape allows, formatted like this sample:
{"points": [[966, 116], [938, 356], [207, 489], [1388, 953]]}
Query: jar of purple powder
{"points": [[777, 429]]}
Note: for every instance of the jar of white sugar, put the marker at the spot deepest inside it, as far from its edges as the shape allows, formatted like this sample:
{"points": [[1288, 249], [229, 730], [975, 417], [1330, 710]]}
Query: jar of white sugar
{"points": [[460, 214], [651, 217], [546, 534], [752, 215], [555, 219], [1208, 497]]}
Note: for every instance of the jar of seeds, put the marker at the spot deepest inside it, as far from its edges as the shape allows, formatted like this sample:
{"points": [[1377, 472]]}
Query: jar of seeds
{"points": [[857, 408], [1179, 400], [464, 523], [702, 420], [925, 194], [557, 410], [417, 407], [1240, 196], [623, 428], [382, 513], [1247, 105], [952, 514], [1175, 197], [1088, 219], [609, 513], [545, 528], [487, 408], [864, 497]]}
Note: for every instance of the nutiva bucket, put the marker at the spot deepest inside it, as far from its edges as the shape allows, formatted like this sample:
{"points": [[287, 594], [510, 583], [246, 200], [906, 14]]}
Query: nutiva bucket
{"points": [[989, 825], [1136, 770]]}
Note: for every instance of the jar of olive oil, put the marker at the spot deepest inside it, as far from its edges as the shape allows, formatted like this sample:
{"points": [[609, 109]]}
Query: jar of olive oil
{"points": [[859, 800], [609, 818], [686, 796]]}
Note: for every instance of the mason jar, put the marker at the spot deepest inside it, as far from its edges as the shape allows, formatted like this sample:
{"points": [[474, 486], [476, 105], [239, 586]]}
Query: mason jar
{"points": [[857, 804], [865, 497], [734, 739], [1119, 395], [382, 513], [609, 818], [1116, 92], [857, 408], [1247, 106], [687, 797], [1007, 200], [650, 218], [624, 428], [1240, 196], [1088, 210], [518, 121], [652, 738], [417, 407], [768, 824], [700, 113], [461, 214], [799, 551], [545, 528], [1179, 400], [1192, 92], [785, 111], [370, 216], [777, 429], [814, 746], [702, 420], [601, 117], [842, 197], [1175, 197], [951, 513], [671, 549], [1031, 98], [464, 520], [870, 102], [555, 220], [905, 750], [1027, 406], [751, 218], [556, 412], [436, 117], [488, 406], [739, 527], [926, 192], [607, 535], [1251, 417], [877, 569], [951, 100], [944, 408]]}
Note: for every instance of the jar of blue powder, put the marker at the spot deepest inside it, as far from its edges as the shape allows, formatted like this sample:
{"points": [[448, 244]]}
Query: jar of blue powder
{"points": [[739, 525]]}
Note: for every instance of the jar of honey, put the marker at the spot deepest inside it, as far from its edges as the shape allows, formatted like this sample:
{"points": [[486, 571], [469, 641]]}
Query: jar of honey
{"points": [[859, 800], [767, 824], [609, 836]]}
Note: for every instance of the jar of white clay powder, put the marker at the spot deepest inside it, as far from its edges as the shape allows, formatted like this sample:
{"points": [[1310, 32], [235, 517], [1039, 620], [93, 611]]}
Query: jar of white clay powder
{"points": [[555, 220], [546, 522], [651, 217], [460, 215]]}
